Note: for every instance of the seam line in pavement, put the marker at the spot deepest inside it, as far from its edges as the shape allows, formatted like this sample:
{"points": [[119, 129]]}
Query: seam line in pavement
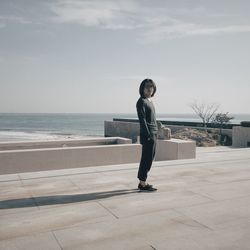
{"points": [[21, 180], [239, 180], [57, 240], [192, 219], [202, 195], [152, 247], [74, 184], [107, 209]]}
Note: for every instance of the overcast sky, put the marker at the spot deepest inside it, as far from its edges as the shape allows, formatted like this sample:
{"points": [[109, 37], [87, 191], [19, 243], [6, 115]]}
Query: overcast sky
{"points": [[90, 56]]}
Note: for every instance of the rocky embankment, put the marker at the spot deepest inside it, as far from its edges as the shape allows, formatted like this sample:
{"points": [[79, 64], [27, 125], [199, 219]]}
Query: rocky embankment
{"points": [[202, 138]]}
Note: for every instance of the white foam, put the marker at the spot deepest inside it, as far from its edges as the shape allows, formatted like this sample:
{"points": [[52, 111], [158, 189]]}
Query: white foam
{"points": [[25, 136]]}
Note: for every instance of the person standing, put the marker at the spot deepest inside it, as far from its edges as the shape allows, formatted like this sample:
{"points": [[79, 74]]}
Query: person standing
{"points": [[148, 132]]}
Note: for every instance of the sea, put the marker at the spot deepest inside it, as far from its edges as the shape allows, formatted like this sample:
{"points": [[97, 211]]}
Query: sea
{"points": [[50, 126]]}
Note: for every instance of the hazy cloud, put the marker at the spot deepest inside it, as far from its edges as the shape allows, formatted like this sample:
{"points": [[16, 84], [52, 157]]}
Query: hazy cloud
{"points": [[190, 29], [105, 14], [153, 22], [16, 19]]}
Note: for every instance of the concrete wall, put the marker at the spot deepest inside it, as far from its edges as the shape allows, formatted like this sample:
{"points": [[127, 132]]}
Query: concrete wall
{"points": [[241, 137], [132, 129], [123, 129], [63, 143], [29, 160], [22, 157]]}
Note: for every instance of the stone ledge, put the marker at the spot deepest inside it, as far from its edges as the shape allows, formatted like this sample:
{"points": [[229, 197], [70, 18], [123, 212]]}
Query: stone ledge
{"points": [[40, 159], [175, 149]]}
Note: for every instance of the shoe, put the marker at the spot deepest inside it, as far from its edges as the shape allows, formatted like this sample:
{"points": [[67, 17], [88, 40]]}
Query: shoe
{"points": [[147, 188]]}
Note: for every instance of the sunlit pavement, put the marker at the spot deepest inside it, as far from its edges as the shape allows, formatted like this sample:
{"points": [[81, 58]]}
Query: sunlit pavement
{"points": [[201, 203]]}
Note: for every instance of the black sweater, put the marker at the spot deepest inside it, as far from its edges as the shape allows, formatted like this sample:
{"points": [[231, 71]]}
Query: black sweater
{"points": [[147, 118]]}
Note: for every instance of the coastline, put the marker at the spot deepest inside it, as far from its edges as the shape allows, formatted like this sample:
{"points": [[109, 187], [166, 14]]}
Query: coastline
{"points": [[17, 136], [53, 126]]}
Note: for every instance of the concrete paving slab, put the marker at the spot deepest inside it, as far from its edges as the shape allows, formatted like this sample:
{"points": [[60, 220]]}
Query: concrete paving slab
{"points": [[229, 239], [10, 207], [219, 214], [201, 204], [230, 176], [152, 202], [47, 186], [234, 237], [210, 172], [223, 191], [41, 220], [80, 197], [57, 173], [179, 185], [9, 177], [164, 175], [100, 182], [114, 244], [15, 198], [42, 241], [12, 189], [127, 233]]}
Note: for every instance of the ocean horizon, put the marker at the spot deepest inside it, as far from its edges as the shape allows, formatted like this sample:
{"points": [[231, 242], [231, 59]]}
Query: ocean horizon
{"points": [[49, 126]]}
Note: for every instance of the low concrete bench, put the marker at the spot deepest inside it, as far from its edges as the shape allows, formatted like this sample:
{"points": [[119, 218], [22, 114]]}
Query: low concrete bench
{"points": [[175, 149], [51, 155], [18, 157]]}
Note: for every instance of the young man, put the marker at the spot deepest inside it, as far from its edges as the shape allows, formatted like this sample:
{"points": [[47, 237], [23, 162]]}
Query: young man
{"points": [[148, 131]]}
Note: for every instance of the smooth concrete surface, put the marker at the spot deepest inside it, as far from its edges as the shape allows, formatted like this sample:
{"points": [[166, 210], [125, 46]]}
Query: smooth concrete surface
{"points": [[241, 137], [21, 157], [63, 143], [175, 149], [123, 129], [201, 203]]}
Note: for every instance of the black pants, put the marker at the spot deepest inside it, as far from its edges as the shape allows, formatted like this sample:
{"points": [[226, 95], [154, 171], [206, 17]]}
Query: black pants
{"points": [[147, 156]]}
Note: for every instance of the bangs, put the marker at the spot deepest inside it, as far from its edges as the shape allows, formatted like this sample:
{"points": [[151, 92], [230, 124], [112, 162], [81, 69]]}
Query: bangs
{"points": [[150, 83]]}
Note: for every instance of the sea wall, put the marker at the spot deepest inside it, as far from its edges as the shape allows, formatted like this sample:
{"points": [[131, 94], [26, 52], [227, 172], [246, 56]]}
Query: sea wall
{"points": [[130, 128]]}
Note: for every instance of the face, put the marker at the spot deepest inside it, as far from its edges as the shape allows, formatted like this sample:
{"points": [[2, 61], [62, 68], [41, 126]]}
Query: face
{"points": [[148, 90]]}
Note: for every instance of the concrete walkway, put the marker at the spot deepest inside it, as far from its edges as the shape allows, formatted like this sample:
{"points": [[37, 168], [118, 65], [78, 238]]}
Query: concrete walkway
{"points": [[203, 203]]}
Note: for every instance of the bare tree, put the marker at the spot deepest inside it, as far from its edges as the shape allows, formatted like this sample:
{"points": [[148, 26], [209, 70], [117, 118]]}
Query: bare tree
{"points": [[205, 111]]}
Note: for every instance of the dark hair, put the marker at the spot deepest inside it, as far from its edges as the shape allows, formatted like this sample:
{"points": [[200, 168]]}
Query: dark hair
{"points": [[142, 86]]}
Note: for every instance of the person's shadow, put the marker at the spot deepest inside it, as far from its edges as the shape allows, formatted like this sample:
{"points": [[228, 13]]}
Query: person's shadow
{"points": [[61, 199]]}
